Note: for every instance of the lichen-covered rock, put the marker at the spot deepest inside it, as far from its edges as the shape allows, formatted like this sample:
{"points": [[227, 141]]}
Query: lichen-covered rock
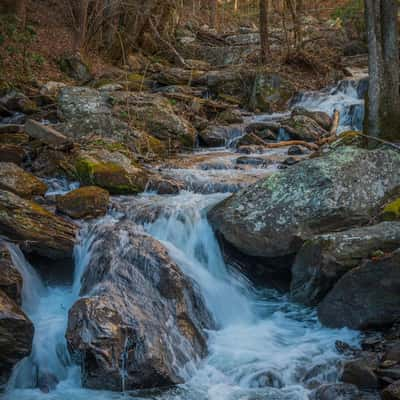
{"points": [[87, 111], [16, 335], [10, 278], [365, 297], [76, 68], [16, 180], [320, 117], [343, 189], [85, 202], [324, 259], [112, 171], [35, 228], [140, 320], [154, 114]]}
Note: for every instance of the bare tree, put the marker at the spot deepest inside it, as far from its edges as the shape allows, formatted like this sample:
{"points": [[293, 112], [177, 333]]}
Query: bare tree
{"points": [[383, 103], [264, 32]]}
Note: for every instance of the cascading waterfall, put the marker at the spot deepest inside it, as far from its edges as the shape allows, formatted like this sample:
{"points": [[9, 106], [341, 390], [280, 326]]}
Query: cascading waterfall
{"points": [[265, 346]]}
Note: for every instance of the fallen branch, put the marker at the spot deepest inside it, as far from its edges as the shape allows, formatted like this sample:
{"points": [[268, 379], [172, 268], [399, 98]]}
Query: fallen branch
{"points": [[335, 123], [308, 145]]}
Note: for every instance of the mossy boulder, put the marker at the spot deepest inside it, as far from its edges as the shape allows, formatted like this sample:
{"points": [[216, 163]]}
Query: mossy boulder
{"points": [[112, 171], [340, 190], [34, 228], [20, 182], [86, 202], [391, 211]]}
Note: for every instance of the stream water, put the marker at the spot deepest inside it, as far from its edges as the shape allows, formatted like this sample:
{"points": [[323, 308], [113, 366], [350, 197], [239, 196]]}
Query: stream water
{"points": [[265, 348]]}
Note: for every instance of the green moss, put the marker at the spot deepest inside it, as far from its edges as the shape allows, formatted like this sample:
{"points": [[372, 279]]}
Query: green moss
{"points": [[102, 82], [392, 211]]}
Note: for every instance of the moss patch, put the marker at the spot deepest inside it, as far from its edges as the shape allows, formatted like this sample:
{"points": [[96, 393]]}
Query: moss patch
{"points": [[392, 211]]}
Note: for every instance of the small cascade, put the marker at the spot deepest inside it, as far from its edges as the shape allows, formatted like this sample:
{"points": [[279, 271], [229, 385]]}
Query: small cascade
{"points": [[347, 97]]}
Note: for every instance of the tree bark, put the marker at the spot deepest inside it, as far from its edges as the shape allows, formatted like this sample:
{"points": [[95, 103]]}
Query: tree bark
{"points": [[383, 102], [213, 13], [264, 33]]}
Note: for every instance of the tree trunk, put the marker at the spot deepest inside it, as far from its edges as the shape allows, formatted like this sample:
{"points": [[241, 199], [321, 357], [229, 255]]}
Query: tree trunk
{"points": [[264, 34], [383, 103], [21, 6], [213, 13]]}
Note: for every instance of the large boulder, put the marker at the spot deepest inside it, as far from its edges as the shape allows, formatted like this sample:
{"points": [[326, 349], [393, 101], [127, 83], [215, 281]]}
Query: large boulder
{"points": [[35, 228], [154, 114], [10, 278], [366, 297], [16, 335], [110, 170], [218, 135], [324, 259], [85, 111], [302, 127], [85, 202], [20, 182], [255, 89], [140, 320], [273, 217]]}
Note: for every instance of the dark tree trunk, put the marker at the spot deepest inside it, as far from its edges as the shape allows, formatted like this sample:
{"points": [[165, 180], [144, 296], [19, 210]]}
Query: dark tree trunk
{"points": [[213, 13], [382, 118], [264, 34]]}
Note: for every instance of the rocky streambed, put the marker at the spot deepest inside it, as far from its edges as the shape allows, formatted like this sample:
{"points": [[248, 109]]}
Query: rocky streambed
{"points": [[186, 291]]}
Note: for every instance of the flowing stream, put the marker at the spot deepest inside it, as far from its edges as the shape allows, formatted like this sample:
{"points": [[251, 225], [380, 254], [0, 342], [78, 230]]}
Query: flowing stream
{"points": [[265, 347]]}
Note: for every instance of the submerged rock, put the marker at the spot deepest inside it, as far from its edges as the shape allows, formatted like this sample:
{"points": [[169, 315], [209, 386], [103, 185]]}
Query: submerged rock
{"points": [[366, 297], [36, 229], [336, 391], [16, 180], [85, 202], [324, 259], [16, 335], [273, 217], [141, 320]]}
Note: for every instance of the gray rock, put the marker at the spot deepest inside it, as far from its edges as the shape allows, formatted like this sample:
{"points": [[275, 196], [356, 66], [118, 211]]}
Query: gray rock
{"points": [[342, 189], [366, 297], [324, 259], [360, 373], [47, 135], [140, 316], [16, 335], [392, 392]]}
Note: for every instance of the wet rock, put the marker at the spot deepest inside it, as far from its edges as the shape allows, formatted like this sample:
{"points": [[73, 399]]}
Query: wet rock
{"points": [[86, 202], [16, 335], [230, 117], [10, 278], [301, 127], [12, 153], [360, 373], [16, 180], [215, 136], [290, 161], [353, 304], [17, 101], [336, 391], [36, 229], [324, 259], [321, 118], [164, 185], [74, 67], [112, 171], [47, 135], [253, 161], [392, 392], [141, 318], [295, 151], [267, 379], [47, 382], [339, 190]]}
